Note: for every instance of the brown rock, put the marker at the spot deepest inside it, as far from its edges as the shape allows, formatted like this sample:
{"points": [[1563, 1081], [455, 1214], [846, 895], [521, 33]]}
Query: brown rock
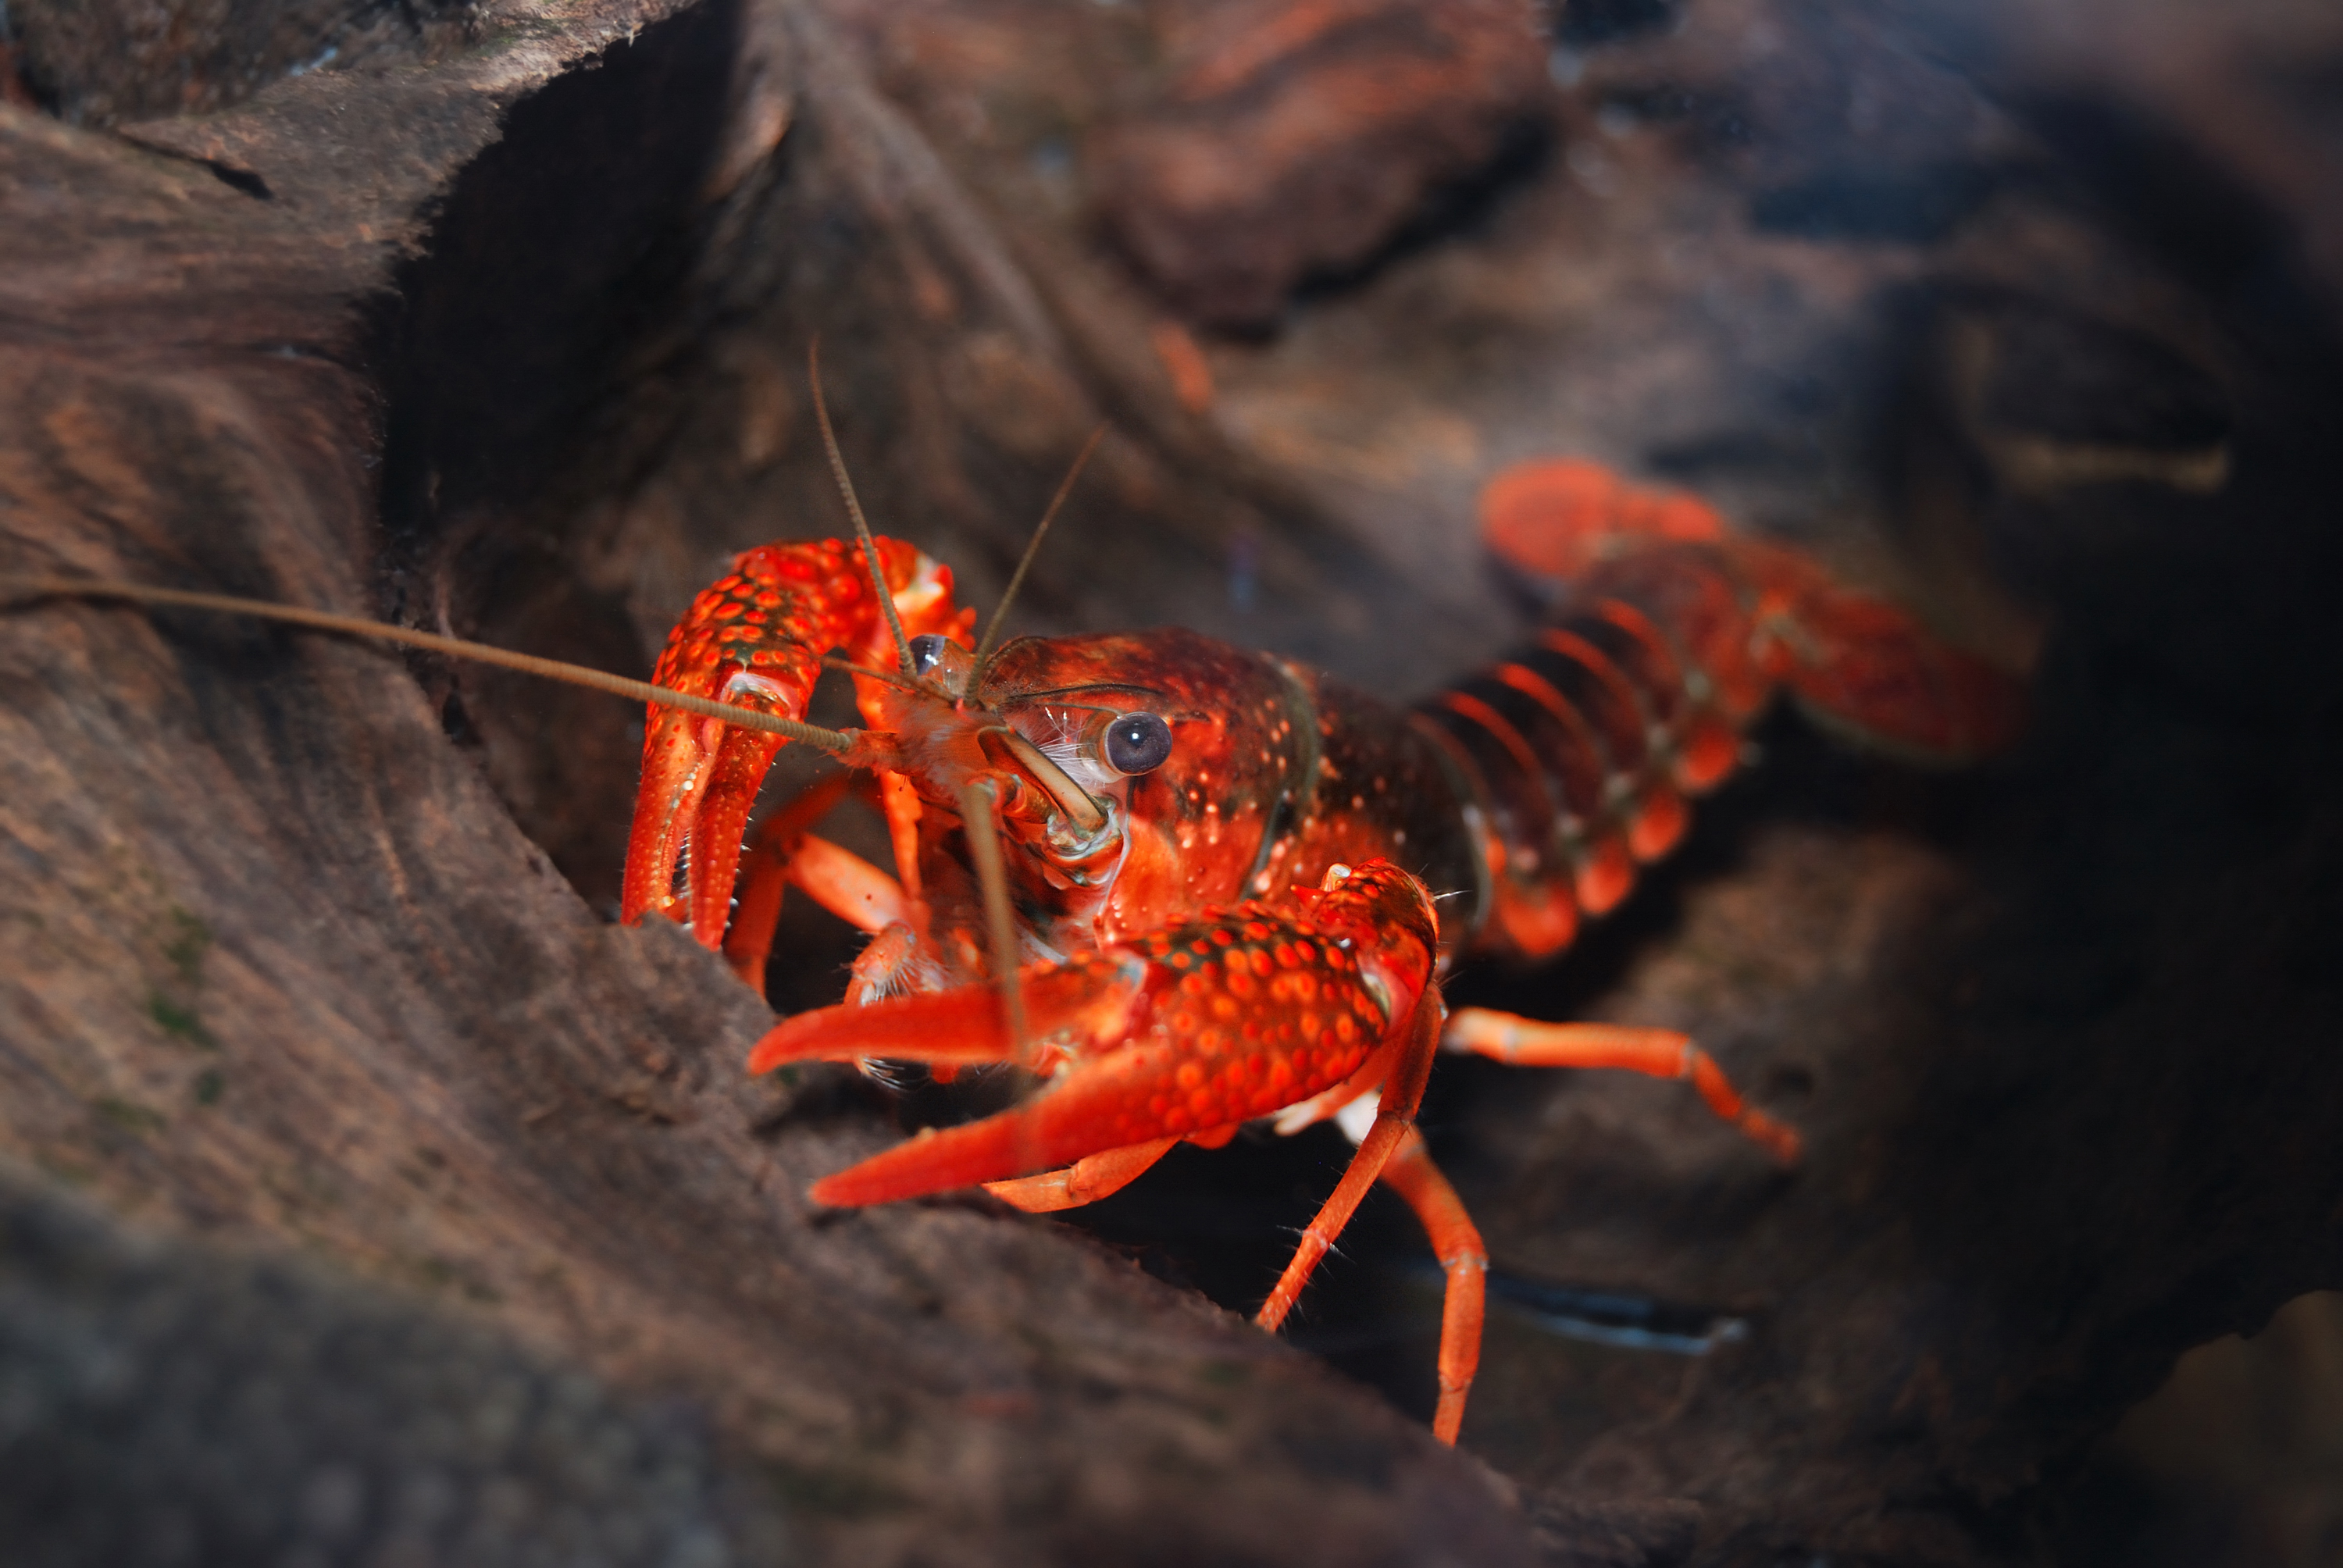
{"points": [[1288, 141]]}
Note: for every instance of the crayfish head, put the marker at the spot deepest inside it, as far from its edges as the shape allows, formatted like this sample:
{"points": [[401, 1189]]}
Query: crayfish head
{"points": [[1057, 811], [1135, 776], [1187, 745]]}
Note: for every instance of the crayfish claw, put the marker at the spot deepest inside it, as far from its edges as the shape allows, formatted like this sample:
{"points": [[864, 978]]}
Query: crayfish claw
{"points": [[1086, 1181], [756, 639]]}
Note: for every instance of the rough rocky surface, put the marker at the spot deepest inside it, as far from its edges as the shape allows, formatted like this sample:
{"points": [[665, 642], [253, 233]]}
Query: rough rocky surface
{"points": [[151, 1388]]}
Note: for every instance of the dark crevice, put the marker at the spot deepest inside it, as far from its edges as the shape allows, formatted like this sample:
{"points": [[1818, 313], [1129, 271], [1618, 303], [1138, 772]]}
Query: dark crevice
{"points": [[553, 250], [557, 251], [234, 177], [244, 180]]}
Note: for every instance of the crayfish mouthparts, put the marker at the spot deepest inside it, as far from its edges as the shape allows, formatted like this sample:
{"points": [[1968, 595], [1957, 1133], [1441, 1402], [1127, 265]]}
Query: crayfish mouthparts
{"points": [[1080, 809], [872, 749]]}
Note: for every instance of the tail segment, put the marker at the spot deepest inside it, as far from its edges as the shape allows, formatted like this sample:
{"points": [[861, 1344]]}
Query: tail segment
{"points": [[1867, 669], [1584, 746]]}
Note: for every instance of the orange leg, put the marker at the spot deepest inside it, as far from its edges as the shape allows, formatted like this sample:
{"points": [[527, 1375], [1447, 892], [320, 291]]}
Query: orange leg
{"points": [[839, 879], [764, 874], [786, 854], [1457, 1241], [1134, 1041], [894, 964], [1409, 1066], [1658, 1052], [849, 886], [900, 803], [1086, 1181]]}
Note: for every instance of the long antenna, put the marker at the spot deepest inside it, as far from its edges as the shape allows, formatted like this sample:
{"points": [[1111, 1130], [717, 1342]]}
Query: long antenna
{"points": [[1032, 548], [854, 506], [16, 587]]}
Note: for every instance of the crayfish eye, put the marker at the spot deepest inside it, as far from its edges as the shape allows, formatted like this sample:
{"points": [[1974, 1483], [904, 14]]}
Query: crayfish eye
{"points": [[1137, 743], [927, 652]]}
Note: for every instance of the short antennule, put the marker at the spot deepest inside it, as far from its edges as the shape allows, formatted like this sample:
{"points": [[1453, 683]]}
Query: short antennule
{"points": [[854, 506]]}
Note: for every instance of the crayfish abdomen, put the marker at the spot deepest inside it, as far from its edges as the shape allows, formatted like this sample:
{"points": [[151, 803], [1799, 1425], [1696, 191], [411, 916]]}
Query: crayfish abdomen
{"points": [[1578, 751]]}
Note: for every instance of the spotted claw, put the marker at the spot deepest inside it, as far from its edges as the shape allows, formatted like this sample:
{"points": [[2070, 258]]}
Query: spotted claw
{"points": [[1187, 1034], [757, 639]]}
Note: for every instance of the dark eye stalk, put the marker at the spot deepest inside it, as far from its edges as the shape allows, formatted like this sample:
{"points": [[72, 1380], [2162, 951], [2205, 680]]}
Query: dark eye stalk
{"points": [[1138, 743]]}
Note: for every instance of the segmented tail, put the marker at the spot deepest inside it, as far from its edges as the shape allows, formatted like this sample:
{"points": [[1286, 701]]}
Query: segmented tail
{"points": [[1584, 746]]}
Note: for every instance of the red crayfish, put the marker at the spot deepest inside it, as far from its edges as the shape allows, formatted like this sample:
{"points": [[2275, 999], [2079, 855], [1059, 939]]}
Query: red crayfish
{"points": [[1189, 886]]}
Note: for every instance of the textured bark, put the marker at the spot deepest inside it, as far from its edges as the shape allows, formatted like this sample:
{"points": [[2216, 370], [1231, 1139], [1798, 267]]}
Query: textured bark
{"points": [[502, 329]]}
